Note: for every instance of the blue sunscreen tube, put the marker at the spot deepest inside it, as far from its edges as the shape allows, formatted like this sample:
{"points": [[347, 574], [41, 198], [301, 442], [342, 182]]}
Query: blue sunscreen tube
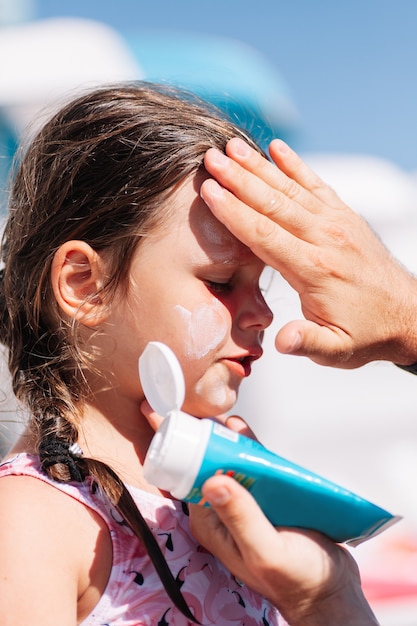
{"points": [[186, 451]]}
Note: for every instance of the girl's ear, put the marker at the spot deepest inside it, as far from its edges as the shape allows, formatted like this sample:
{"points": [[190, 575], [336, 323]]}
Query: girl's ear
{"points": [[76, 278]]}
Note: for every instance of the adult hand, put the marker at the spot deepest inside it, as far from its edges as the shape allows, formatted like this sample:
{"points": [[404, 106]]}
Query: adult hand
{"points": [[359, 303], [311, 580]]}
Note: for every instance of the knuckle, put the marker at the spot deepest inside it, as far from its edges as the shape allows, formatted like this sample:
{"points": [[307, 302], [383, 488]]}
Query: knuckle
{"points": [[276, 204], [265, 230], [340, 235], [289, 188], [316, 184], [322, 262]]}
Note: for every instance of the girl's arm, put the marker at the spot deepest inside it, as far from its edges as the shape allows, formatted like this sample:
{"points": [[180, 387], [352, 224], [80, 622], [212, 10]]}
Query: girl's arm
{"points": [[311, 580], [359, 303]]}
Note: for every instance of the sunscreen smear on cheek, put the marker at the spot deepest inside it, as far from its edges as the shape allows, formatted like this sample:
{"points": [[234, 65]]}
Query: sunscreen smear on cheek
{"points": [[186, 451], [205, 327]]}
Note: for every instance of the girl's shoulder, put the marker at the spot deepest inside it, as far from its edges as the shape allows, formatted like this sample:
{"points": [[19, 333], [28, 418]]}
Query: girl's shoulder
{"points": [[51, 542], [23, 486], [28, 467], [25, 464], [26, 496]]}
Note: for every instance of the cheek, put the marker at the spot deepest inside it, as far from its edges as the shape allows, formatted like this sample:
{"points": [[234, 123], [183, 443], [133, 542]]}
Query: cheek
{"points": [[205, 328]]}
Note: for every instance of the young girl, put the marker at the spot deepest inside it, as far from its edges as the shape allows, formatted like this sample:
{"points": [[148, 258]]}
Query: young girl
{"points": [[108, 246]]}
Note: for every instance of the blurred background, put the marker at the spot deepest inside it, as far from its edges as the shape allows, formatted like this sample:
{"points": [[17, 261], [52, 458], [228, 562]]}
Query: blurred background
{"points": [[339, 82]]}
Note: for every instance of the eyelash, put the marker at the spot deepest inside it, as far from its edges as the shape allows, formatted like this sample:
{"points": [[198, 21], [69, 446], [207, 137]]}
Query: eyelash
{"points": [[216, 287]]}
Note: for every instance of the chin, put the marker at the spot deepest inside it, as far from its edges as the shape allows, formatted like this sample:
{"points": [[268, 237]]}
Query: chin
{"points": [[210, 396], [210, 407]]}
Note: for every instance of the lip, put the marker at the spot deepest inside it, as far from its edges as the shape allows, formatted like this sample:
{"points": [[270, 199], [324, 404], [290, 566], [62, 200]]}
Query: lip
{"points": [[242, 365]]}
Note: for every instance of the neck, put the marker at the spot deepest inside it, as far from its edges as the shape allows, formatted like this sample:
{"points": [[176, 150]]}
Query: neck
{"points": [[113, 430], [118, 434]]}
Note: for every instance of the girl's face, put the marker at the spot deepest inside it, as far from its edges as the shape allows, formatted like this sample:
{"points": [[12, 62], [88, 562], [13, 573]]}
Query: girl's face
{"points": [[195, 287]]}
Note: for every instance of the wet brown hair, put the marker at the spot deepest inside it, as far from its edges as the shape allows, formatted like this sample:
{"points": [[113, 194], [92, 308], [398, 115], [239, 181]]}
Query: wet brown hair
{"points": [[100, 171]]}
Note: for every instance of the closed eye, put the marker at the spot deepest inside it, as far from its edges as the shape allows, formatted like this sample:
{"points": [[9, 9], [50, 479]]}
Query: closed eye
{"points": [[219, 288]]}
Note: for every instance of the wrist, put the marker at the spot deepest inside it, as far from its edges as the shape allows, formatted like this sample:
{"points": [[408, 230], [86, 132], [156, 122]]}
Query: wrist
{"points": [[401, 347], [349, 608]]}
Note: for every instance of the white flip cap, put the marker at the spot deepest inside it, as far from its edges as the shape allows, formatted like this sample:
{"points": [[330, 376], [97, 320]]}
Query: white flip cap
{"points": [[161, 378], [177, 448]]}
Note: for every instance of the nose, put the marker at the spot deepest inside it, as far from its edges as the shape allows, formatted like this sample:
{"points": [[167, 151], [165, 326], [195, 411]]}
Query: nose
{"points": [[254, 312]]}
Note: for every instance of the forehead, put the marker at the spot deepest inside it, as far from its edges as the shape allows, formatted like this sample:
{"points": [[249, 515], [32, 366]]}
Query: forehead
{"points": [[191, 216]]}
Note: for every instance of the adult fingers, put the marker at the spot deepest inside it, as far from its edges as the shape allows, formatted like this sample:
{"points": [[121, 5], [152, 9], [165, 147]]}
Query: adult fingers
{"points": [[252, 161], [240, 513], [268, 559], [270, 241], [234, 529], [259, 184], [294, 167], [292, 178]]}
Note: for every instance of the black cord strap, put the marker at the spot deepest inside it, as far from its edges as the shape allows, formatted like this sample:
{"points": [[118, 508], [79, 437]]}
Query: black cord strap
{"points": [[54, 451], [141, 529]]}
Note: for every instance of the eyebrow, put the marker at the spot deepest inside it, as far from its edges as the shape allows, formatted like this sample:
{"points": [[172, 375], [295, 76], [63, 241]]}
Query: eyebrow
{"points": [[218, 262]]}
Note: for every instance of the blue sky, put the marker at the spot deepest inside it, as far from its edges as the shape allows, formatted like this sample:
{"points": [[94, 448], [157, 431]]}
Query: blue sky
{"points": [[351, 65]]}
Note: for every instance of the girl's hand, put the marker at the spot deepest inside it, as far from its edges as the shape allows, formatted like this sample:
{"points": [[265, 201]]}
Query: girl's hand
{"points": [[359, 303], [154, 419]]}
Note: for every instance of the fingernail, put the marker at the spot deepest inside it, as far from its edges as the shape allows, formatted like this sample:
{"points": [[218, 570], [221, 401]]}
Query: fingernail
{"points": [[217, 157], [212, 187], [239, 146], [217, 497], [281, 145]]}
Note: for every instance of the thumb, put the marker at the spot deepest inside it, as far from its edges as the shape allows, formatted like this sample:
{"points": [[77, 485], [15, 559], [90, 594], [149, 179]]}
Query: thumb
{"points": [[322, 344], [235, 530], [241, 515]]}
